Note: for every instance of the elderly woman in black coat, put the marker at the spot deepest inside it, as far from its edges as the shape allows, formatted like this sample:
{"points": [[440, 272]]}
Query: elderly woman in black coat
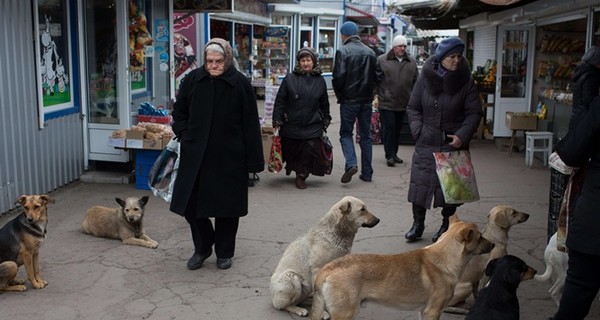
{"points": [[216, 119], [444, 111], [301, 113]]}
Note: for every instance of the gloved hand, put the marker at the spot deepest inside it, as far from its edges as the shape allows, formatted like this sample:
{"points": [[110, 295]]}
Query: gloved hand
{"points": [[277, 124], [179, 135], [326, 123]]}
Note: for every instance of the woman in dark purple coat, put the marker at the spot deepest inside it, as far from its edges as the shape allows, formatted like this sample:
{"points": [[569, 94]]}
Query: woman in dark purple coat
{"points": [[216, 119], [444, 111]]}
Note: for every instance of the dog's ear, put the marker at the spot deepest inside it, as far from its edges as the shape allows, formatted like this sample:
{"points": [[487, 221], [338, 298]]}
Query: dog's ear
{"points": [[515, 272], [47, 198], [120, 202], [21, 200], [345, 206], [489, 269], [501, 217], [143, 200]]}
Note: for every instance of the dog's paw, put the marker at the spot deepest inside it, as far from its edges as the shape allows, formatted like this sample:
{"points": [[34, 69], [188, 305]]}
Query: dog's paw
{"points": [[15, 282], [297, 310], [152, 244], [39, 284], [326, 315]]}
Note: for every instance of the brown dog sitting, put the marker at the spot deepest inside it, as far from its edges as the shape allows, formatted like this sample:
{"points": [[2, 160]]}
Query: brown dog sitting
{"points": [[20, 241], [421, 279], [123, 223]]}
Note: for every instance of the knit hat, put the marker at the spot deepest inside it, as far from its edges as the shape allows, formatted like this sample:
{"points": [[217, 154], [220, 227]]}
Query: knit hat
{"points": [[399, 41], [592, 56], [349, 28], [449, 46], [306, 51]]}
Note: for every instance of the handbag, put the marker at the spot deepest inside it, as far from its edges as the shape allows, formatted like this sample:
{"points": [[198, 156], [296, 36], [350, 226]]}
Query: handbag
{"points": [[161, 179], [457, 176], [275, 163], [327, 153]]}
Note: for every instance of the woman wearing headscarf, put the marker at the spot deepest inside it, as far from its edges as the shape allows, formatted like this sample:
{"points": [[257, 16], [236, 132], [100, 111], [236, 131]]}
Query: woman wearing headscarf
{"points": [[216, 119], [444, 111], [301, 113]]}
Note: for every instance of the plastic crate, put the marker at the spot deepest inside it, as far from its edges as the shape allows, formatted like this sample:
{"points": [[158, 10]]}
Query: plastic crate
{"points": [[144, 160]]}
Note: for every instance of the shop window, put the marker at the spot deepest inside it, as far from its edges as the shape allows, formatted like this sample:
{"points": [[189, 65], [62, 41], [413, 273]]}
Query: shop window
{"points": [[306, 32], [281, 20], [241, 48], [326, 44], [53, 51], [514, 63]]}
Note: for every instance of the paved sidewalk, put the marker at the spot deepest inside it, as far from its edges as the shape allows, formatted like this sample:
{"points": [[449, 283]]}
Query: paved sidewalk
{"points": [[93, 278]]}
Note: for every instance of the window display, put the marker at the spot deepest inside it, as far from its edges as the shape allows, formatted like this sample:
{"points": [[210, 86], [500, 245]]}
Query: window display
{"points": [[326, 47]]}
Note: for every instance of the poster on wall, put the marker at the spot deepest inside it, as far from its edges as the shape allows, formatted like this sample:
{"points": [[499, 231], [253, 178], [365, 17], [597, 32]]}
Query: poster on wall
{"points": [[53, 61], [139, 39], [184, 44]]}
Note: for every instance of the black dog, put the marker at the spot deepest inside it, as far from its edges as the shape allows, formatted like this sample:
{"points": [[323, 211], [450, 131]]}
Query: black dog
{"points": [[498, 300]]}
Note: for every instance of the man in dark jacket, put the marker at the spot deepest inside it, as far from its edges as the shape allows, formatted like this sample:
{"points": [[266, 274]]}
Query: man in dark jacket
{"points": [[586, 83], [354, 81], [216, 119], [398, 73]]}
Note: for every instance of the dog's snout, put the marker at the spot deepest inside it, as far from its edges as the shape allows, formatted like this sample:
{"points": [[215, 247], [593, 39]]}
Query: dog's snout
{"points": [[29, 219], [370, 224], [131, 219]]}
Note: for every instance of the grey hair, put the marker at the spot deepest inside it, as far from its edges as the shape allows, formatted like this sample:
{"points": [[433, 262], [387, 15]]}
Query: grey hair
{"points": [[215, 48]]}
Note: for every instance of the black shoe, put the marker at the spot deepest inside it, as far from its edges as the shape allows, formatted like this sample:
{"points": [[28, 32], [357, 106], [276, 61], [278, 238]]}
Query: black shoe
{"points": [[365, 178], [415, 232], [390, 162], [443, 228], [197, 260], [349, 173], [398, 160], [224, 263]]}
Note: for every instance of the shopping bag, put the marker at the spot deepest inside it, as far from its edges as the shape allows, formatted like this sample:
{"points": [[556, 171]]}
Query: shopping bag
{"points": [[164, 171], [275, 158], [376, 134], [457, 177], [327, 153]]}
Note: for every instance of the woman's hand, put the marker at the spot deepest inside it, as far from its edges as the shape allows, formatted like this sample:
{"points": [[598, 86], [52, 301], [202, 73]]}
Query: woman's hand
{"points": [[456, 143]]}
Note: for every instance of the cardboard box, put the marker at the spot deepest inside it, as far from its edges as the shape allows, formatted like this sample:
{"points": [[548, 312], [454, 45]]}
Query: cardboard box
{"points": [[521, 121], [135, 139], [116, 142], [153, 144]]}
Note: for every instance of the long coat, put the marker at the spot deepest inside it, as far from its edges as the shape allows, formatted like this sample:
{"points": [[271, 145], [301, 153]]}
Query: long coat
{"points": [[397, 80], [302, 106], [449, 104], [217, 120]]}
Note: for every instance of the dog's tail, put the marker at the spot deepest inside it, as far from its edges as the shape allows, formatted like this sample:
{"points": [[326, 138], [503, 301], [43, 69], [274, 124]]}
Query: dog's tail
{"points": [[318, 305], [547, 274]]}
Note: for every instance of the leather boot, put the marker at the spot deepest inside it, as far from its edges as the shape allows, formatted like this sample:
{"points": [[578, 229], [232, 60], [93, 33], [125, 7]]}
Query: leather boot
{"points": [[416, 231], [443, 228]]}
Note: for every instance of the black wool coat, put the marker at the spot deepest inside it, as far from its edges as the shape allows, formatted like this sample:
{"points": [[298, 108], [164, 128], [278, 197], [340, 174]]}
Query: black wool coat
{"points": [[437, 104], [217, 120]]}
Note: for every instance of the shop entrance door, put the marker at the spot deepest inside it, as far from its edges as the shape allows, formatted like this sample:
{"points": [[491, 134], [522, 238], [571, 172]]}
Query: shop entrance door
{"points": [[108, 95], [515, 67]]}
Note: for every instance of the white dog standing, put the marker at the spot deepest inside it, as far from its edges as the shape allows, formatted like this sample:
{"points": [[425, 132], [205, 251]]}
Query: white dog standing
{"points": [[331, 237]]}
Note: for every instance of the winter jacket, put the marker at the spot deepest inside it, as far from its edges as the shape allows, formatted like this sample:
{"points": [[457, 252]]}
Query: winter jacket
{"points": [[586, 86], [397, 79], [581, 147], [217, 121], [354, 76], [302, 106], [439, 105]]}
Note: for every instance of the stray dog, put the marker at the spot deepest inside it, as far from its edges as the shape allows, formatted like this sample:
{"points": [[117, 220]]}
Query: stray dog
{"points": [[500, 220], [498, 300], [331, 237], [557, 263], [20, 241], [421, 279], [123, 223]]}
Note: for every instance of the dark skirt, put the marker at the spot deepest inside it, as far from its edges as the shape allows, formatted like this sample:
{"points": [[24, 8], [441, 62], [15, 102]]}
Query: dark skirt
{"points": [[303, 156]]}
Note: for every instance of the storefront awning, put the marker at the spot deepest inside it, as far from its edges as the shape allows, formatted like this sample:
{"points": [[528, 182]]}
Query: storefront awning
{"points": [[361, 17]]}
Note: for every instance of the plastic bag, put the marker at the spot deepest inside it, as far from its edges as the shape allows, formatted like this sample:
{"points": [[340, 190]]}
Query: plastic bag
{"points": [[457, 177], [275, 158], [164, 171]]}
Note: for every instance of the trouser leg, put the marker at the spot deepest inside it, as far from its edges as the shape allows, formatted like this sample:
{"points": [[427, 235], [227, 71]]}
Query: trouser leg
{"points": [[225, 234]]}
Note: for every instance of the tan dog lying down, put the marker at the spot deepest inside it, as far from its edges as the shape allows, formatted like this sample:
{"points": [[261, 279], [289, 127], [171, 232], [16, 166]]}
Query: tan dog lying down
{"points": [[500, 219], [421, 279], [125, 222], [331, 237]]}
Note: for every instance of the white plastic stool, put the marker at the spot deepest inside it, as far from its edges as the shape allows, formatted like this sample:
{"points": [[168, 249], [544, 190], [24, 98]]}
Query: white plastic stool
{"points": [[530, 148]]}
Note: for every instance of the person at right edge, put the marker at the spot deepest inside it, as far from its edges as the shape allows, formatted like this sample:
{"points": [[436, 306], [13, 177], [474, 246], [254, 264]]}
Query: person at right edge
{"points": [[354, 79], [398, 73], [580, 148], [444, 111]]}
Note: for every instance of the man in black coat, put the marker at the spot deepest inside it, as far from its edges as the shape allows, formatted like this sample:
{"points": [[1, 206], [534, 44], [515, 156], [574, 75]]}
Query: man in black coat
{"points": [[216, 119]]}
